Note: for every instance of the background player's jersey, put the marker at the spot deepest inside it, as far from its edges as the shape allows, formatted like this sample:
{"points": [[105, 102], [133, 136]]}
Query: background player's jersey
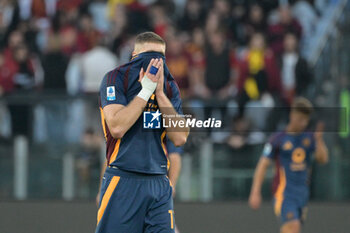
{"points": [[140, 150], [293, 157]]}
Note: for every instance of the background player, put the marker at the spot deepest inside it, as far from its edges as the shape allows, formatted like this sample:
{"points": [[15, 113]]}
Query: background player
{"points": [[135, 193], [292, 151]]}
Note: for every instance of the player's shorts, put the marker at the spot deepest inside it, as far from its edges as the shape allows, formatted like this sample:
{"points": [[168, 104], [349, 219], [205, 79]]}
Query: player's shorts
{"points": [[290, 209], [135, 203]]}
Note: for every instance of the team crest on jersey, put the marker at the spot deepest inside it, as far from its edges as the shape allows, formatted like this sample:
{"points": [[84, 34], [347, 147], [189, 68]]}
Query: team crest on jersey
{"points": [[110, 93], [287, 145], [298, 160], [298, 155]]}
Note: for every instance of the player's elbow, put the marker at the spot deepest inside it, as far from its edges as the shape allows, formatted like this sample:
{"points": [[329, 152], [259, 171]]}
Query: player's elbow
{"points": [[323, 160], [180, 140], [117, 132]]}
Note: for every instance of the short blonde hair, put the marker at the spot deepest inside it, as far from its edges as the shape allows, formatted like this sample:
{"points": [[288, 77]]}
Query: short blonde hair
{"points": [[149, 37], [302, 105]]}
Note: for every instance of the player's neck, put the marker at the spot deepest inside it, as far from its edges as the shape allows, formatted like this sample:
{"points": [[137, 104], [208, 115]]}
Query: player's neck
{"points": [[291, 130]]}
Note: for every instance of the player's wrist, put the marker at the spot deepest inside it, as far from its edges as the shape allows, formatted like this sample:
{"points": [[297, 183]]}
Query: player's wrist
{"points": [[148, 87], [145, 94], [255, 192], [161, 97], [160, 94]]}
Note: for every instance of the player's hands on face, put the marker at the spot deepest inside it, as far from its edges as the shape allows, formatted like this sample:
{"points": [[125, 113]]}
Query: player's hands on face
{"points": [[149, 79], [319, 130], [160, 74], [153, 77], [254, 200]]}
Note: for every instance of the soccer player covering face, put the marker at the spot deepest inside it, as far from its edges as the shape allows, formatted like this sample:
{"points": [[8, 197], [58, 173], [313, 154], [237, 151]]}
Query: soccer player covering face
{"points": [[292, 152], [135, 194]]}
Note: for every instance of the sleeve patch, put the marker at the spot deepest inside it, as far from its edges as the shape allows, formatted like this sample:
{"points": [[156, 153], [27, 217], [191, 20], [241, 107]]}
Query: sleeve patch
{"points": [[111, 93], [267, 149]]}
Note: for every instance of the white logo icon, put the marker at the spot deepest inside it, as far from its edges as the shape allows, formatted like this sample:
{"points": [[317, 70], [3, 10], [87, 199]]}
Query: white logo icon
{"points": [[151, 120], [110, 93]]}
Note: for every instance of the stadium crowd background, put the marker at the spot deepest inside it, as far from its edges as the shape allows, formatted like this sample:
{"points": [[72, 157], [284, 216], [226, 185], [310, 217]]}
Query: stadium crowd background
{"points": [[236, 56]]}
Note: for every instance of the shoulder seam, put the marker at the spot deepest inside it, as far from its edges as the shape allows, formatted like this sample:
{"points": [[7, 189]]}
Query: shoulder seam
{"points": [[126, 78], [108, 76]]}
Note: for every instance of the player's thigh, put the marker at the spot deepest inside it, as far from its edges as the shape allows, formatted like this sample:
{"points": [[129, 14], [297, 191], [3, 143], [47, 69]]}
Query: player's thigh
{"points": [[290, 211], [160, 220], [293, 226], [121, 208], [161, 217]]}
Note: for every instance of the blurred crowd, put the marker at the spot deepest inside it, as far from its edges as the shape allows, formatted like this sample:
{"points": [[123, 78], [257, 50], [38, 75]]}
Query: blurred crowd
{"points": [[217, 50]]}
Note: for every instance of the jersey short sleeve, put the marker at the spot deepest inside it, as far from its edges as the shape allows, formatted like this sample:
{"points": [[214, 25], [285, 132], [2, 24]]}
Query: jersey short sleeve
{"points": [[172, 148], [112, 89], [271, 147]]}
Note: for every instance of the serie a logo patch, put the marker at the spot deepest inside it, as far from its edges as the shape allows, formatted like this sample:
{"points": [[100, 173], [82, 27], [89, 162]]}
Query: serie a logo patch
{"points": [[110, 93]]}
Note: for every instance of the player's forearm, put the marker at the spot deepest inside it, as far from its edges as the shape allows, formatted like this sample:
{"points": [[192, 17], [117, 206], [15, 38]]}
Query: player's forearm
{"points": [[126, 117], [175, 167], [259, 176], [178, 135], [321, 153]]}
